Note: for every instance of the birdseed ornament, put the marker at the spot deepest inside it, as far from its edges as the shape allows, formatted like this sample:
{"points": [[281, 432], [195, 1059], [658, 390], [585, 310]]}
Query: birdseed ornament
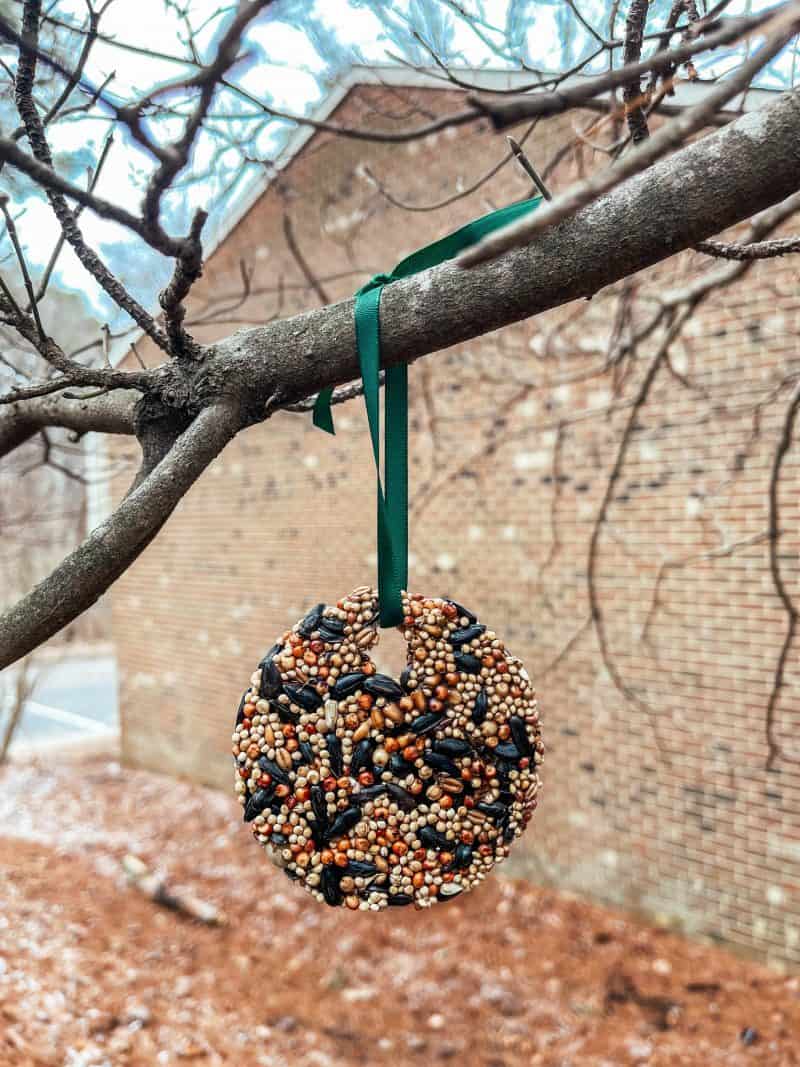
{"points": [[372, 792]]}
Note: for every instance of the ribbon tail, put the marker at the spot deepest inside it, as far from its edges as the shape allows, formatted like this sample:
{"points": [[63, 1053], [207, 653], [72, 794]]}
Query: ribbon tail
{"points": [[323, 416]]}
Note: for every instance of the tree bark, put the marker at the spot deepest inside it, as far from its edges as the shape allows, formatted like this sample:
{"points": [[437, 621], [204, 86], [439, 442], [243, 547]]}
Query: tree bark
{"points": [[110, 413], [698, 191]]}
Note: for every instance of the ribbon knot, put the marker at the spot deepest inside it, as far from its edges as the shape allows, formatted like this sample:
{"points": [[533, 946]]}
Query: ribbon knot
{"points": [[393, 501], [377, 281]]}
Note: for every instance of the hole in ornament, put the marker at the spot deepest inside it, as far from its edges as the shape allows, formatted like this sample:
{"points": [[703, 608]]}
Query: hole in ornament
{"points": [[390, 654]]}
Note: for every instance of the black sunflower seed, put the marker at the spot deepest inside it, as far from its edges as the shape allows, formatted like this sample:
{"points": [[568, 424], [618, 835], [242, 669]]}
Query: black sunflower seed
{"points": [[463, 856], [334, 624], [319, 807], [452, 746], [471, 618], [334, 747], [441, 763], [370, 792], [271, 680], [273, 770], [467, 663], [329, 637], [360, 869], [344, 822], [502, 770], [461, 637], [362, 756], [508, 751], [494, 811], [304, 695], [311, 621], [278, 839], [398, 766], [285, 713], [424, 723], [240, 712], [509, 834], [404, 677], [381, 685], [307, 752], [329, 883], [481, 708], [396, 900], [347, 684], [431, 838], [405, 801], [256, 803], [520, 734]]}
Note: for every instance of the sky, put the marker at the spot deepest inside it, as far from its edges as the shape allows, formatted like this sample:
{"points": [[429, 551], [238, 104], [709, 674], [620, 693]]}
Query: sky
{"points": [[294, 51]]}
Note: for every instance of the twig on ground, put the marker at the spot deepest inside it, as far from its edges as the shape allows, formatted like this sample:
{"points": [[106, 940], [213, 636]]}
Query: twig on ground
{"points": [[155, 888]]}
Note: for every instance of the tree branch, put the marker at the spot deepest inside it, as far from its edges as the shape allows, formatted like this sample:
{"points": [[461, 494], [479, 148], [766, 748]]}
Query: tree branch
{"points": [[700, 190], [790, 609], [781, 246], [673, 134], [109, 550], [111, 413], [34, 128], [632, 90]]}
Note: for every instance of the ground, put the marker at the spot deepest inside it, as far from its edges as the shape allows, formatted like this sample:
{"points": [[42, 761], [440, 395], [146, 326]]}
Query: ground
{"points": [[92, 972]]}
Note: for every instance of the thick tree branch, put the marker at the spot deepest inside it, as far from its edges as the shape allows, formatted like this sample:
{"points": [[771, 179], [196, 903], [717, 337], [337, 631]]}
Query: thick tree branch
{"points": [[109, 550], [700, 190], [111, 413]]}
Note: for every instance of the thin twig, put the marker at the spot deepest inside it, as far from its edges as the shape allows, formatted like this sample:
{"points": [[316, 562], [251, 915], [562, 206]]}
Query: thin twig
{"points": [[529, 168], [23, 266], [791, 610]]}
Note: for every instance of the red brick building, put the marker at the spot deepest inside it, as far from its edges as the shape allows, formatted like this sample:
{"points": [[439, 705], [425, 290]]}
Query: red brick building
{"points": [[656, 798]]}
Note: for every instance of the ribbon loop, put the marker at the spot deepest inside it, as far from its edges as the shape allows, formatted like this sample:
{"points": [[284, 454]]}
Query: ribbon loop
{"points": [[392, 502]]}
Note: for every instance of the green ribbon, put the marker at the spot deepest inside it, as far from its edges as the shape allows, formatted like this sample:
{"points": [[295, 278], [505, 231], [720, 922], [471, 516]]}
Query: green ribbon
{"points": [[393, 500]]}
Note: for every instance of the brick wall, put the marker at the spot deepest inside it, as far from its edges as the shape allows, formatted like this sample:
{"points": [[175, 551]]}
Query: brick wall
{"points": [[659, 801]]}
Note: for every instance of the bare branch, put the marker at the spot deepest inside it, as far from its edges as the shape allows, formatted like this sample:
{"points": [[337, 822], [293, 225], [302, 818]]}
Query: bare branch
{"points": [[791, 610], [673, 134], [312, 279], [188, 268], [23, 266], [95, 177], [758, 250], [111, 413], [597, 613], [175, 157], [632, 90], [34, 128], [110, 549]]}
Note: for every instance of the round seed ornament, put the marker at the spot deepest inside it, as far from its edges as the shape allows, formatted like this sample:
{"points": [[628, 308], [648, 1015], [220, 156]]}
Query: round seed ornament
{"points": [[373, 792]]}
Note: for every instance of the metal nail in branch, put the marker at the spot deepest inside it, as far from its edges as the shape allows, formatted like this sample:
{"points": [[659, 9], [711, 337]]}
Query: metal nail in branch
{"points": [[370, 791]]}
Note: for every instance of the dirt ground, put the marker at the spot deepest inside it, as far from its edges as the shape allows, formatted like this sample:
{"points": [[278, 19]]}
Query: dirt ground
{"points": [[94, 973]]}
